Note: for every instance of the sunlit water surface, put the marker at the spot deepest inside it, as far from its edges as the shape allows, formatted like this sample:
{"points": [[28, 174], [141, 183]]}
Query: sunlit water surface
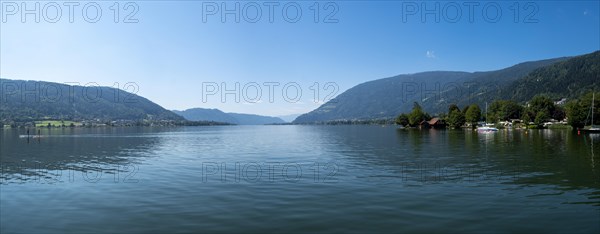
{"points": [[298, 179]]}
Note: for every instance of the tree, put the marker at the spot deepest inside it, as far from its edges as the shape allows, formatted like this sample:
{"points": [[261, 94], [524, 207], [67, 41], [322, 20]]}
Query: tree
{"points": [[526, 118], [442, 116], [473, 114], [512, 110], [559, 113], [452, 107], [417, 115], [541, 103], [402, 119], [540, 118], [456, 119], [576, 114], [578, 111], [495, 111], [465, 109]]}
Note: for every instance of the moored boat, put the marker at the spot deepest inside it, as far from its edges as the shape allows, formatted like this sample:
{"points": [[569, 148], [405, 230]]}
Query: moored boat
{"points": [[487, 127], [592, 128]]}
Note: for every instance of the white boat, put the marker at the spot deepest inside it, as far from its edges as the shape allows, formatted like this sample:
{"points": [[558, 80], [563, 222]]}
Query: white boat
{"points": [[592, 130], [487, 127]]}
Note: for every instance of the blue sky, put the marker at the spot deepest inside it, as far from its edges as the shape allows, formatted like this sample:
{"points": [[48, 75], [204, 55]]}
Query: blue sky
{"points": [[170, 52]]}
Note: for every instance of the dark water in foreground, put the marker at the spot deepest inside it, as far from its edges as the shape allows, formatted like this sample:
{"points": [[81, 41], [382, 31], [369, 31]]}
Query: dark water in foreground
{"points": [[299, 179]]}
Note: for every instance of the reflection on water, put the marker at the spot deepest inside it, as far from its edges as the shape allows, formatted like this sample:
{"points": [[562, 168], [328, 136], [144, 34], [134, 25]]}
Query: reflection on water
{"points": [[59, 155], [299, 178]]}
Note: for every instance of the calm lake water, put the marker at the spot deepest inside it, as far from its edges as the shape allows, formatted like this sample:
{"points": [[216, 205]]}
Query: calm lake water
{"points": [[299, 179]]}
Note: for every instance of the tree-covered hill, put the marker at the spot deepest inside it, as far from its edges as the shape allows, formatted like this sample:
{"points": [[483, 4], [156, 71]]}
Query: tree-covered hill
{"points": [[386, 98], [568, 79], [22, 100]]}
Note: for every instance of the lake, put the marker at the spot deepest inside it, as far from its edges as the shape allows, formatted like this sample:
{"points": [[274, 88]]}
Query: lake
{"points": [[298, 179]]}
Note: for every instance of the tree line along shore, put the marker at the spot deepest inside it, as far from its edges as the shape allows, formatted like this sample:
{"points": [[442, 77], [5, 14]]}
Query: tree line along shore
{"points": [[539, 112]]}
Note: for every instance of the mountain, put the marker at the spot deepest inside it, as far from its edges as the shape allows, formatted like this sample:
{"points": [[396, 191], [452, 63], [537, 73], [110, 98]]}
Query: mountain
{"points": [[379, 98], [201, 114], [249, 119], [386, 98], [567, 79], [22, 100], [289, 118], [198, 114]]}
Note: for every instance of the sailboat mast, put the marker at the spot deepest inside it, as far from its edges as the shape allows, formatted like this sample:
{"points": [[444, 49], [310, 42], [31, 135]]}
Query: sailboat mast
{"points": [[486, 113], [593, 97]]}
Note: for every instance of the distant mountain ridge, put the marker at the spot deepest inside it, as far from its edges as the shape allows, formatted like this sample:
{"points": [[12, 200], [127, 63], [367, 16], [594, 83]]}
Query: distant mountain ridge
{"points": [[22, 100], [386, 98], [201, 114], [289, 118], [565, 77]]}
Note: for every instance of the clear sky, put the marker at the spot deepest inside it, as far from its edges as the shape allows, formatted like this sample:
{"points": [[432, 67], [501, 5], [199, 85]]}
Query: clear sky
{"points": [[177, 46]]}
